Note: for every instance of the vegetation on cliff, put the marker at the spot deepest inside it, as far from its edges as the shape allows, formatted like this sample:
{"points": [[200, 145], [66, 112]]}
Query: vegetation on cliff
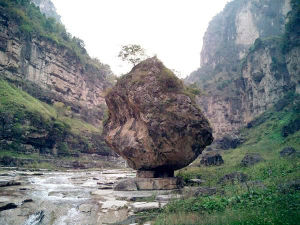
{"points": [[221, 54], [32, 23], [28, 125], [37, 117], [291, 37]]}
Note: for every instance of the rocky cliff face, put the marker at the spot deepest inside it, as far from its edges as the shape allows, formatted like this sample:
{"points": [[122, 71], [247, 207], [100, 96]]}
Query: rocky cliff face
{"points": [[54, 71], [236, 28], [266, 79], [39, 57], [243, 73]]}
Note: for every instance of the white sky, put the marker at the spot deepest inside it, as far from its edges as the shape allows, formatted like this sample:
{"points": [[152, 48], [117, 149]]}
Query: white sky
{"points": [[171, 29]]}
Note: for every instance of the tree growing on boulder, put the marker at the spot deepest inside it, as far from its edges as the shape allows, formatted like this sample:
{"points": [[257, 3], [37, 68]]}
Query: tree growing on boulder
{"points": [[132, 53]]}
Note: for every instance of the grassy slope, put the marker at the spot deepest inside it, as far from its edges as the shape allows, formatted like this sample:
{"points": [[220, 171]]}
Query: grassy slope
{"points": [[20, 105], [240, 204], [15, 99]]}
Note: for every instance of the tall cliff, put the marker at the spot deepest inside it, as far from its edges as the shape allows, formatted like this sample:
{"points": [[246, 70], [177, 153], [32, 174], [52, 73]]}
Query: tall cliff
{"points": [[39, 57], [244, 69]]}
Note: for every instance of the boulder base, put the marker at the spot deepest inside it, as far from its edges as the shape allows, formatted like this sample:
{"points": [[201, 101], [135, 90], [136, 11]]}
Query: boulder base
{"points": [[154, 173], [166, 183]]}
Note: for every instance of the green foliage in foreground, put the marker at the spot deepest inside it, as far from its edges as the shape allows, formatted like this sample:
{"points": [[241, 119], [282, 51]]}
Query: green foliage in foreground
{"points": [[264, 207], [270, 202]]}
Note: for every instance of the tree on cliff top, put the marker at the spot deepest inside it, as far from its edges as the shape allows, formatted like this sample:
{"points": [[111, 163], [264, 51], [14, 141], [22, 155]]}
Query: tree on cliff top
{"points": [[132, 54]]}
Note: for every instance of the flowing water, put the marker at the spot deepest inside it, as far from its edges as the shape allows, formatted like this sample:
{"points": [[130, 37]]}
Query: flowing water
{"points": [[71, 197], [74, 197]]}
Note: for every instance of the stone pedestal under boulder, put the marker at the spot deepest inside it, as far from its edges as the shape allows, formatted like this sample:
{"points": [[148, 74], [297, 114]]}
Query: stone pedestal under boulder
{"points": [[135, 184], [154, 122]]}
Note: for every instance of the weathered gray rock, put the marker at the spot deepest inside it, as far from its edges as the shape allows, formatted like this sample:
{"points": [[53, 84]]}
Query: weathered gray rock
{"points": [[167, 198], [144, 206], [233, 98], [228, 142], [52, 73], [195, 181], [212, 159], [86, 208], [233, 177], [290, 186], [114, 204], [257, 184], [8, 206], [35, 218], [105, 187], [251, 158], [126, 185], [9, 183], [27, 200], [134, 184], [153, 123], [288, 151], [205, 191]]}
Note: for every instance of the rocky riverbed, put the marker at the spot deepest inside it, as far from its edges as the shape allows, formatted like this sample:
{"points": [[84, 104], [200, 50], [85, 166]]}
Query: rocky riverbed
{"points": [[72, 197]]}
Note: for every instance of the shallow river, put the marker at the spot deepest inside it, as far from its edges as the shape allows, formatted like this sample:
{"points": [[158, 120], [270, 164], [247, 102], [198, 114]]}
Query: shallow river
{"points": [[71, 197]]}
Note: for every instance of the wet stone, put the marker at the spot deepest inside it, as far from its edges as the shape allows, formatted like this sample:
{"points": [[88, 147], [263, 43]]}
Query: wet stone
{"points": [[105, 187], [27, 200], [205, 191], [9, 183], [133, 184], [85, 208], [8, 206], [114, 204], [144, 206]]}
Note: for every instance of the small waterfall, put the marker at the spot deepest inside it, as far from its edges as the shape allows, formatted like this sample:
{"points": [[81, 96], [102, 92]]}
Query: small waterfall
{"points": [[35, 219]]}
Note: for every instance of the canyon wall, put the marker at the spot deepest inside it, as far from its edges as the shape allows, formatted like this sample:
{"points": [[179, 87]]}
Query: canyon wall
{"points": [[54, 72], [244, 70], [40, 58]]}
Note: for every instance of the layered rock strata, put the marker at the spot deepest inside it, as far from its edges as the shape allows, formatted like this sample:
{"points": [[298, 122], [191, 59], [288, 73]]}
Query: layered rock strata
{"points": [[242, 79], [52, 73]]}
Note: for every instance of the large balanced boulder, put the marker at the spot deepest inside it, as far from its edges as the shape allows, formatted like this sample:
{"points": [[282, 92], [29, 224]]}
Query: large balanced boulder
{"points": [[153, 122]]}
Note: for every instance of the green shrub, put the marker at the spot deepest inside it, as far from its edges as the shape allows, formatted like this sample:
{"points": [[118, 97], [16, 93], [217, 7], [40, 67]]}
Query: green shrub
{"points": [[63, 149], [169, 81], [292, 28]]}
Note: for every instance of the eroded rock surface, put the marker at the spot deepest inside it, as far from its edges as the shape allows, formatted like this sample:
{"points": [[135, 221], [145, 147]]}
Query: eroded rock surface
{"points": [[153, 123], [212, 159], [236, 97]]}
